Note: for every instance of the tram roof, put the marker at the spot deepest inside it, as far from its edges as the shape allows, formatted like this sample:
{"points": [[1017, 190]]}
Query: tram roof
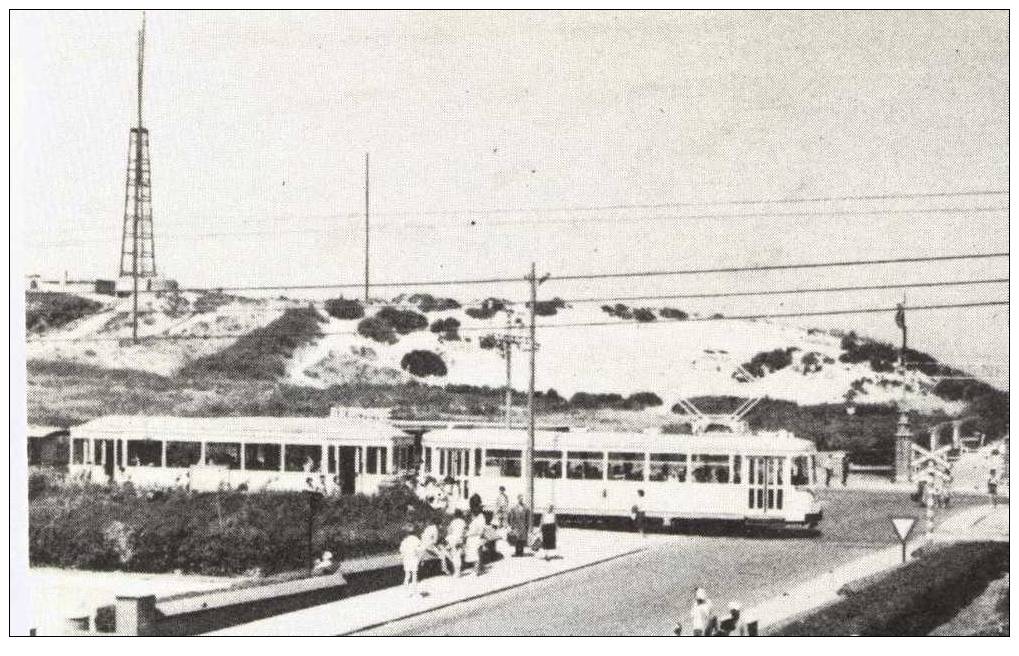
{"points": [[244, 429], [763, 443]]}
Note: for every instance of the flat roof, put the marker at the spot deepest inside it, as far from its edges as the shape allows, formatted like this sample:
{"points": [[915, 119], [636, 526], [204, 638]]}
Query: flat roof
{"points": [[244, 429], [751, 443]]}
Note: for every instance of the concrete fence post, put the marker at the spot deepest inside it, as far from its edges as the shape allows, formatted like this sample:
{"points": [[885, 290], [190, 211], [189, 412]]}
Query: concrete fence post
{"points": [[135, 615], [903, 451]]}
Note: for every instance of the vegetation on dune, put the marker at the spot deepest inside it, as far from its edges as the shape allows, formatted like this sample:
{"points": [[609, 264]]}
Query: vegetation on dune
{"points": [[429, 303], [913, 599], [105, 528], [262, 353], [673, 313], [447, 328], [44, 310], [548, 308], [767, 362], [344, 308], [423, 363], [488, 308]]}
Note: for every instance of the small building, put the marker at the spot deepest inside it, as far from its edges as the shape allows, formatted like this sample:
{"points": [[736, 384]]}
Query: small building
{"points": [[324, 454]]}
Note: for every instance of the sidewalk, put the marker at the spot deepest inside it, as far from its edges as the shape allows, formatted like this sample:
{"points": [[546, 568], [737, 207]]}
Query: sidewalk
{"points": [[578, 548], [975, 523]]}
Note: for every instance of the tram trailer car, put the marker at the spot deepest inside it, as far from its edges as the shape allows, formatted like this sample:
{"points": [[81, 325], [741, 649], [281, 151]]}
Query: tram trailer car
{"points": [[751, 478]]}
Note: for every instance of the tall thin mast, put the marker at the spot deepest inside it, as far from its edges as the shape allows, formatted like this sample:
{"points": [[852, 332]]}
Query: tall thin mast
{"points": [[366, 230], [137, 183]]}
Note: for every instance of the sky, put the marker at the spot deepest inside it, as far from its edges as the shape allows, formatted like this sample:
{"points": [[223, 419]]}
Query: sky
{"points": [[585, 142]]}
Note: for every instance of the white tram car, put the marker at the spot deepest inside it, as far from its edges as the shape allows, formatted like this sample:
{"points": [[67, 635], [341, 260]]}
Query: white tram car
{"points": [[719, 476]]}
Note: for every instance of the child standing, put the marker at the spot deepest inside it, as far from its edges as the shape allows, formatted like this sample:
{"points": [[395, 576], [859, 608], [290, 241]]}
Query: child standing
{"points": [[410, 550]]}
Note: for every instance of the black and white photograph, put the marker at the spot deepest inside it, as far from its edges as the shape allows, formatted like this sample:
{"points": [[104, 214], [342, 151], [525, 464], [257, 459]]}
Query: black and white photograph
{"points": [[499, 322]]}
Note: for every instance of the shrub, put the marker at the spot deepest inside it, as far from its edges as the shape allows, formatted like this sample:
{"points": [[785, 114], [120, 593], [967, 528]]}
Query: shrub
{"points": [[342, 308], [377, 329], [488, 309], [589, 401], [618, 310], [54, 309], [643, 315], [773, 361], [429, 303], [489, 342], [262, 353], [423, 363], [447, 327], [642, 400], [673, 313], [402, 321], [548, 308]]}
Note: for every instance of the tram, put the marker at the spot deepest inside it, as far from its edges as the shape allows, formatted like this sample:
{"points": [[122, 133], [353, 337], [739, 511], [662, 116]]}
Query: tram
{"points": [[253, 453], [761, 477]]}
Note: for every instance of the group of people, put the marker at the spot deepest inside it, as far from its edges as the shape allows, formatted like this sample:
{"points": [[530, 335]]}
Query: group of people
{"points": [[704, 621], [469, 534], [829, 470]]}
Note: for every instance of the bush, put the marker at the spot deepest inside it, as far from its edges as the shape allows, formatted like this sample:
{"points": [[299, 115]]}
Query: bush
{"points": [[402, 321], [262, 353], [642, 400], [489, 342], [771, 360], [618, 310], [673, 313], [912, 600], [489, 308], [342, 308], [423, 363], [447, 327], [378, 330], [589, 401], [429, 303], [643, 315], [548, 308], [54, 309]]}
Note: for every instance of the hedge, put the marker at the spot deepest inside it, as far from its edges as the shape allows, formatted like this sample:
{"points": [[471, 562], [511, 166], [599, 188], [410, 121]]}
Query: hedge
{"points": [[343, 308], [912, 600], [224, 533]]}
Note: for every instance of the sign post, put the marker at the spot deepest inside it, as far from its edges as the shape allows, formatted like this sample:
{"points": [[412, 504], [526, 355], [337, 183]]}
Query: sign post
{"points": [[903, 526]]}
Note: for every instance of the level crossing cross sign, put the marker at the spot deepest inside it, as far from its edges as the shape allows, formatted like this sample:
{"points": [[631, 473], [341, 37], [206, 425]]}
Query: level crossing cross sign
{"points": [[903, 526]]}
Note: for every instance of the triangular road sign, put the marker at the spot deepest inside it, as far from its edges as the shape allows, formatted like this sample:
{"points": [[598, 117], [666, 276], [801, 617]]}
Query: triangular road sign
{"points": [[903, 525]]}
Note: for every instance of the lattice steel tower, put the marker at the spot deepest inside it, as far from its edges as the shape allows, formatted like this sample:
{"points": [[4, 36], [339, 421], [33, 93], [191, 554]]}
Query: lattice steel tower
{"points": [[138, 249]]}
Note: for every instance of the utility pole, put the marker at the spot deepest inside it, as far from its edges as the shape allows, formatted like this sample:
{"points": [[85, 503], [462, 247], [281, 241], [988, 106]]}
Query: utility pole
{"points": [[529, 456], [137, 185], [508, 341], [366, 232]]}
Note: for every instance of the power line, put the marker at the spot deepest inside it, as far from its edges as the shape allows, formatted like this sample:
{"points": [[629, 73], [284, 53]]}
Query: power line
{"points": [[585, 324], [780, 267], [782, 292], [383, 227]]}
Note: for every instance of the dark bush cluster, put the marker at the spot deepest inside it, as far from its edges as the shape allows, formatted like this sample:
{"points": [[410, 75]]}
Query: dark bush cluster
{"points": [[423, 363], [644, 315], [673, 313], [402, 321], [618, 310], [344, 308], [224, 533], [262, 353], [595, 401], [377, 329], [447, 328], [548, 308], [429, 303], [489, 342], [768, 362], [54, 309], [488, 309]]}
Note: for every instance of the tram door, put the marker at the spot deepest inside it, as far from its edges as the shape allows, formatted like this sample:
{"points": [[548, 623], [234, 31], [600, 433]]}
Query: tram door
{"points": [[765, 483], [347, 469], [456, 464]]}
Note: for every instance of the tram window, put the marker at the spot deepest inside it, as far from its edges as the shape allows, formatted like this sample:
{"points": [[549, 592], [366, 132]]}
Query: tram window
{"points": [[223, 454], [428, 459], [548, 464], [262, 457], [503, 462], [376, 460], [626, 466], [801, 471], [477, 462], [78, 451], [584, 465], [183, 454], [668, 467], [144, 453], [302, 457], [737, 469], [710, 469]]}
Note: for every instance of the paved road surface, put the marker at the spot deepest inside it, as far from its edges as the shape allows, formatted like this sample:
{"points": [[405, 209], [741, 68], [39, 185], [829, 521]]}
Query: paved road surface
{"points": [[646, 593]]}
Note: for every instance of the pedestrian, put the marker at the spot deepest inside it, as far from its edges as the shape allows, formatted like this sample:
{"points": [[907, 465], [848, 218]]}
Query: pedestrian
{"points": [[845, 470], [430, 546], [410, 550], [455, 533], [637, 513], [501, 507], [517, 518], [946, 489], [733, 625], [475, 542], [548, 533], [323, 565], [992, 487], [475, 504], [701, 613], [829, 471]]}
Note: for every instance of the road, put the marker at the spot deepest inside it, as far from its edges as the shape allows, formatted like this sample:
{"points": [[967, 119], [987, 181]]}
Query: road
{"points": [[646, 593]]}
